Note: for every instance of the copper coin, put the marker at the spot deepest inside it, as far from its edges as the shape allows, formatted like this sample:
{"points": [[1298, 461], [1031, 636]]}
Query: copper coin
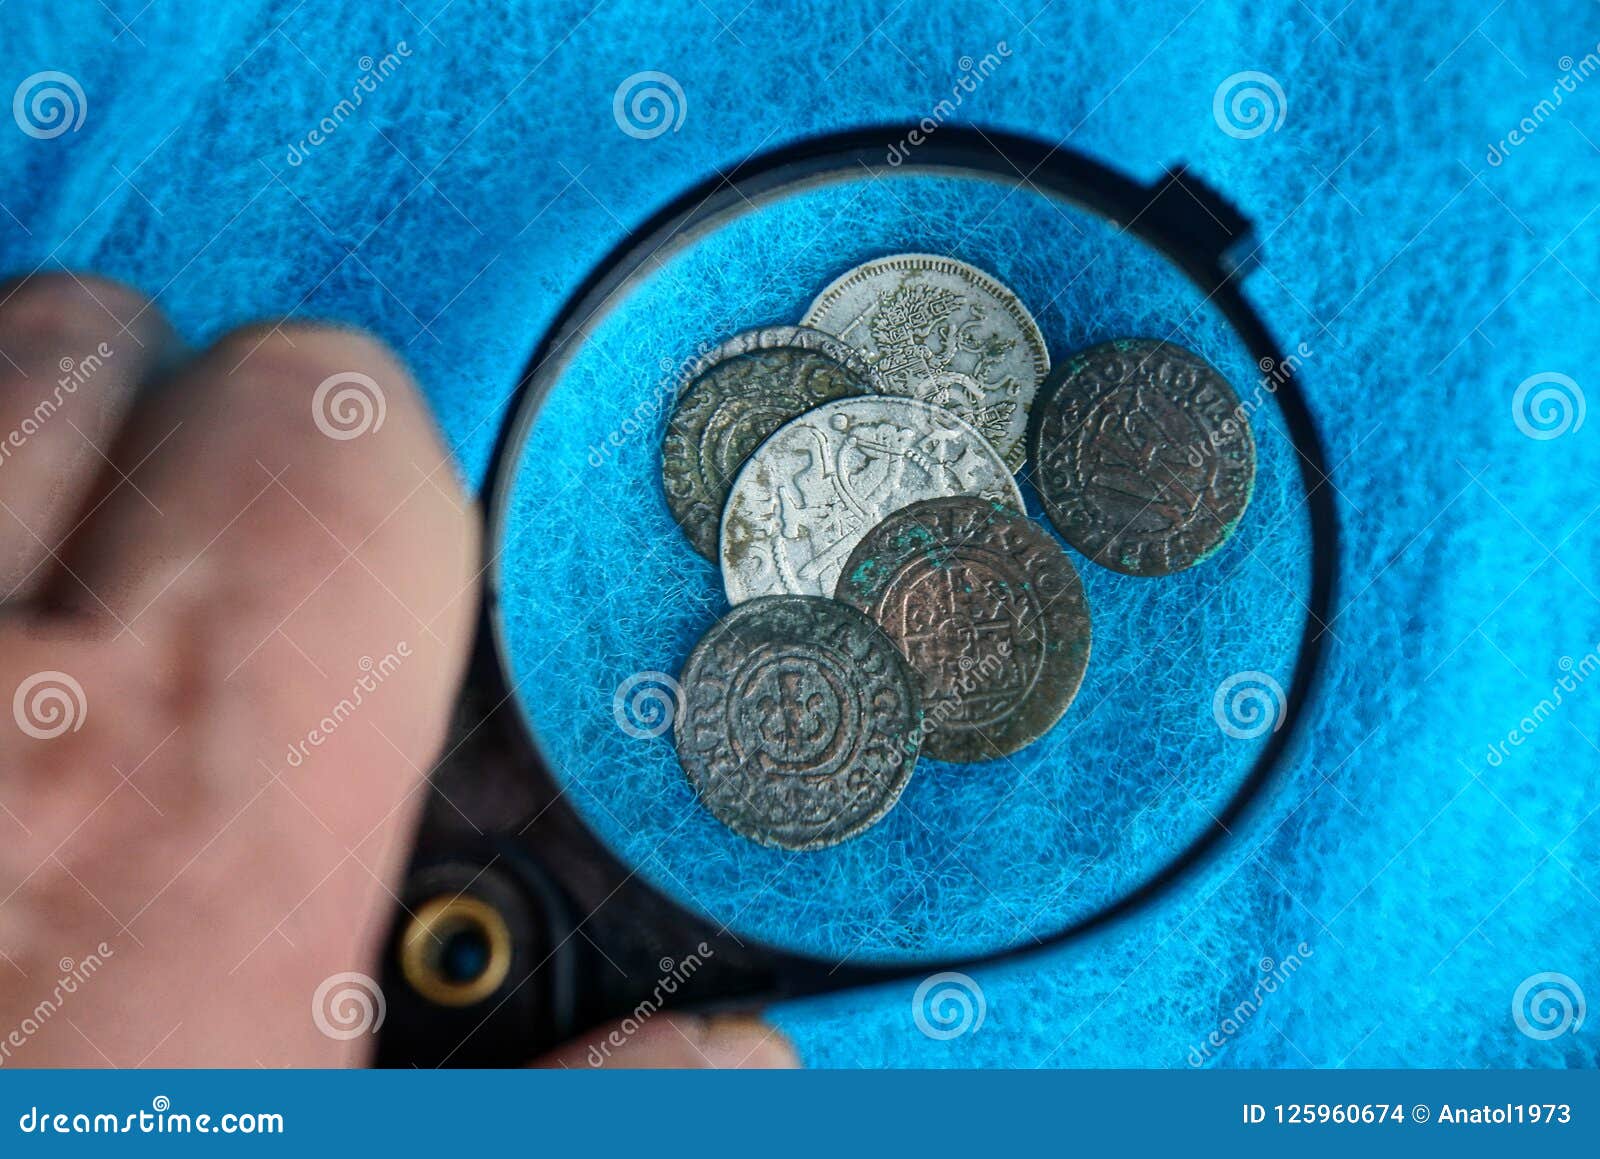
{"points": [[990, 612], [1143, 456]]}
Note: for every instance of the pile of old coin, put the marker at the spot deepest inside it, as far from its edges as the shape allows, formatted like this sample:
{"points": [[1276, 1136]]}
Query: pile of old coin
{"points": [[854, 477]]}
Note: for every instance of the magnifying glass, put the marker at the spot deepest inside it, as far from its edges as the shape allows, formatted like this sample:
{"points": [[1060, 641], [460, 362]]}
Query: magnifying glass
{"points": [[568, 872]]}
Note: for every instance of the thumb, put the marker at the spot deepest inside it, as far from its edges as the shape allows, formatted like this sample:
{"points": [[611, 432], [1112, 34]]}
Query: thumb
{"points": [[679, 1041]]}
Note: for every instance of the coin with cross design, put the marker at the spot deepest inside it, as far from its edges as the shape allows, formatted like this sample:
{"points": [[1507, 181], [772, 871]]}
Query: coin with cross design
{"points": [[801, 721], [989, 611]]}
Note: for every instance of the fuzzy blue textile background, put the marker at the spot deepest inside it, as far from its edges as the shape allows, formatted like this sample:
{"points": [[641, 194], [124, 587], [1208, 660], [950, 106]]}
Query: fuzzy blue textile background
{"points": [[472, 190]]}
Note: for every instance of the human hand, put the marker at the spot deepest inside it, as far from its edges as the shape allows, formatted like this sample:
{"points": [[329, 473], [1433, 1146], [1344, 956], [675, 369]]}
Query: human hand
{"points": [[204, 562]]}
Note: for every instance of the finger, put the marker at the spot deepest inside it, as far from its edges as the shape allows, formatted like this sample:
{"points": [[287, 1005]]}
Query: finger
{"points": [[679, 1041], [269, 623], [291, 523], [73, 351]]}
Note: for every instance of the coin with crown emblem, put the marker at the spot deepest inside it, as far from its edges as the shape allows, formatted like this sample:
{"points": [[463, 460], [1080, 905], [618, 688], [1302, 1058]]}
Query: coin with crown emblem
{"points": [[938, 329]]}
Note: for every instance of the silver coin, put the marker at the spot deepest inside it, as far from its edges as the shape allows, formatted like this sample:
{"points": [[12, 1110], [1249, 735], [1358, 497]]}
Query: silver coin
{"points": [[738, 395], [800, 722], [945, 332], [806, 496]]}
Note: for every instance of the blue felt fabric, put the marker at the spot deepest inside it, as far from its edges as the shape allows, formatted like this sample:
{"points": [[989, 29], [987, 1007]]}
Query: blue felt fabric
{"points": [[467, 195]]}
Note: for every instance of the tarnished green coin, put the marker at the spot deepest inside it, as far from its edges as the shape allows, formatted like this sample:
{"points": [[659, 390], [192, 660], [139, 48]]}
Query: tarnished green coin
{"points": [[1142, 455], [800, 721], [990, 612], [738, 395]]}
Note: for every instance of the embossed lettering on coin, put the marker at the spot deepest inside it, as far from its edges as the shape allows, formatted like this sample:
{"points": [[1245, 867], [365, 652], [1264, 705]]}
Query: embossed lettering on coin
{"points": [[739, 394], [945, 332], [800, 721], [807, 495], [1143, 455], [989, 611]]}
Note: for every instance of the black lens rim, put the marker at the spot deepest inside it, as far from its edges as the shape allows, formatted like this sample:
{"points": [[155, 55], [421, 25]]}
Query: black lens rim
{"points": [[1187, 239]]}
